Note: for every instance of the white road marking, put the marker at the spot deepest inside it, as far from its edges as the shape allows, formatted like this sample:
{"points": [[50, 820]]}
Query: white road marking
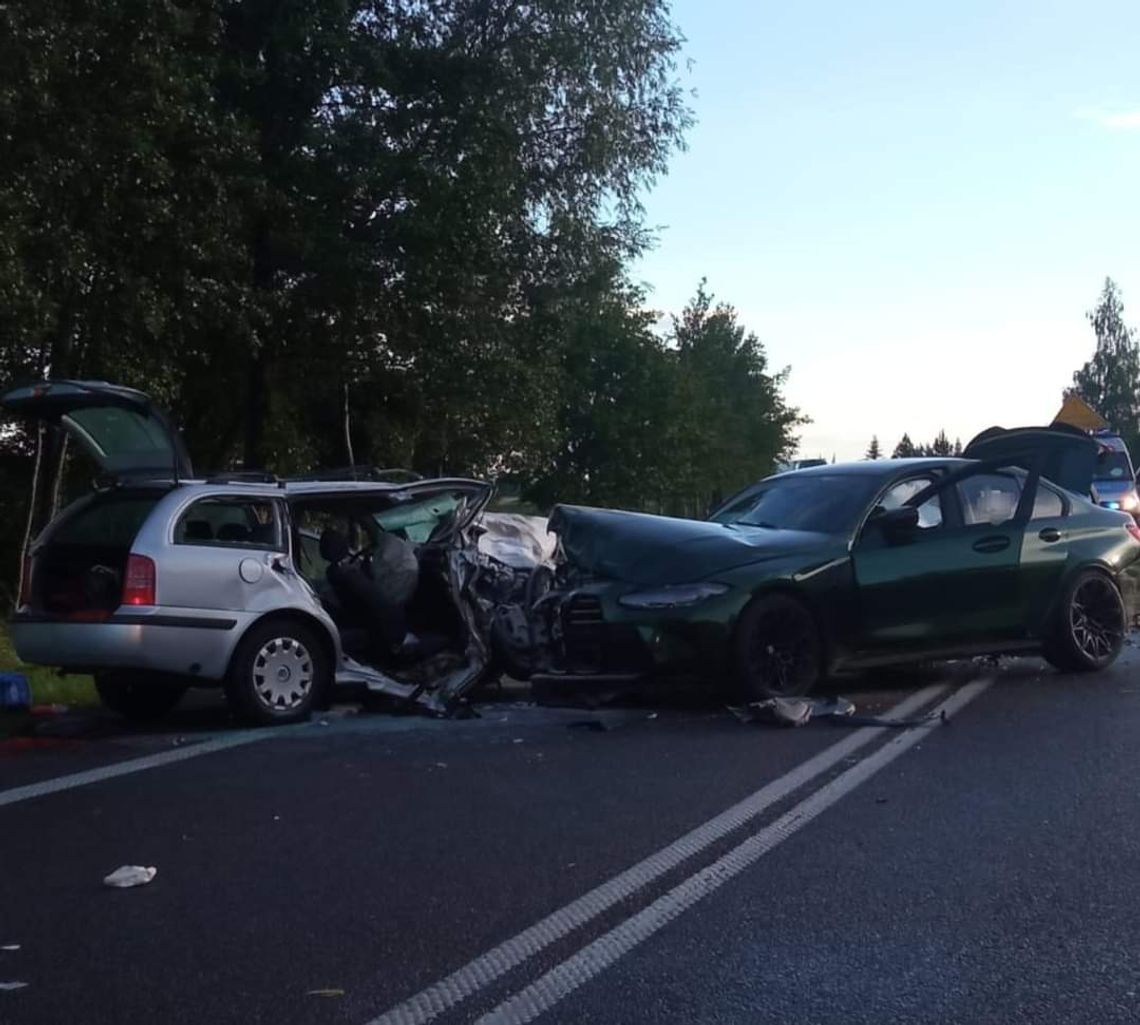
{"points": [[563, 979], [486, 968], [81, 779]]}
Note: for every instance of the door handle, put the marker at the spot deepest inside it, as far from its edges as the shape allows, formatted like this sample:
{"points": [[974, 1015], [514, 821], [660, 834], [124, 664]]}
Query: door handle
{"points": [[992, 544], [1050, 535]]}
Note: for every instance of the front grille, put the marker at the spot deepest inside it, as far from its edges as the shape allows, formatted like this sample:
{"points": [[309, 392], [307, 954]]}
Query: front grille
{"points": [[583, 610], [582, 629]]}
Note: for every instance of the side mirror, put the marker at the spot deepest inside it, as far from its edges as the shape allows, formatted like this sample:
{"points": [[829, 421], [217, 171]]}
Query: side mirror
{"points": [[898, 525]]}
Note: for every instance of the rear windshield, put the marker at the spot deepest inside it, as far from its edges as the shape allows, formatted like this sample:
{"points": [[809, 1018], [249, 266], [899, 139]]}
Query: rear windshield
{"points": [[109, 521]]}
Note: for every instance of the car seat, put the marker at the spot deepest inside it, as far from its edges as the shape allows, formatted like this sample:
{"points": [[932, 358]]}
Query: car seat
{"points": [[197, 530]]}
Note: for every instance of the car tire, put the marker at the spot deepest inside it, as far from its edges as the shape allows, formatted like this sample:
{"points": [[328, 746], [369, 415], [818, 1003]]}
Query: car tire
{"points": [[279, 673], [136, 697], [778, 649], [1088, 629]]}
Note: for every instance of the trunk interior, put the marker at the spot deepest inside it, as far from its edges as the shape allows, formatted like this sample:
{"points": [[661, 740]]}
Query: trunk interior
{"points": [[77, 567]]}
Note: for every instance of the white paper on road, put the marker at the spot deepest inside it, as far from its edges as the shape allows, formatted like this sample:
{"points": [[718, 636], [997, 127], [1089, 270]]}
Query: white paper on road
{"points": [[125, 877]]}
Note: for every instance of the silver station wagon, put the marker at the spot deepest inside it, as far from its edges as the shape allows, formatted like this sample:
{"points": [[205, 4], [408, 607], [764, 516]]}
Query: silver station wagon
{"points": [[275, 589]]}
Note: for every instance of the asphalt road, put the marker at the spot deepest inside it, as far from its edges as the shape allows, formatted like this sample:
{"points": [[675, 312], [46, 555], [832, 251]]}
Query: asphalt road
{"points": [[644, 865]]}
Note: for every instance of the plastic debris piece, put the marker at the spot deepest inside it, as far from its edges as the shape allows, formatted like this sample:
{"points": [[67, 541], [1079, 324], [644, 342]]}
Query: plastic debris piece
{"points": [[517, 740], [441, 765], [775, 711], [12, 985], [15, 692], [130, 875], [10, 946], [325, 993]]}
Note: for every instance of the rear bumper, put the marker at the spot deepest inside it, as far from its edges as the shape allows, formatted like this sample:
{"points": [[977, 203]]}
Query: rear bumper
{"points": [[162, 640]]}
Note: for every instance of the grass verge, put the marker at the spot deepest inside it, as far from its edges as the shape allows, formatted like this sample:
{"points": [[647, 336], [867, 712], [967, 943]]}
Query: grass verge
{"points": [[48, 687]]}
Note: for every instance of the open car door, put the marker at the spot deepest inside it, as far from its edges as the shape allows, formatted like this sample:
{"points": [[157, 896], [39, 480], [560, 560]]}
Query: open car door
{"points": [[120, 428]]}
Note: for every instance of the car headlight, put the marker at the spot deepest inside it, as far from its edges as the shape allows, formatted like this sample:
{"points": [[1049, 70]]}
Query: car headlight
{"points": [[671, 596]]}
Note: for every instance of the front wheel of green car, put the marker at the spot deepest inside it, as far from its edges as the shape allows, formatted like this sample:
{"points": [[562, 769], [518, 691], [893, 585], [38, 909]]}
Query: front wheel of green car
{"points": [[779, 652], [1089, 627], [278, 674], [136, 697]]}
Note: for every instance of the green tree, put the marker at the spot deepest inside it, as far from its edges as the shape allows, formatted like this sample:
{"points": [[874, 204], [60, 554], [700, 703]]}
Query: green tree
{"points": [[942, 445], [732, 422], [1110, 380], [873, 450], [957, 446], [905, 449]]}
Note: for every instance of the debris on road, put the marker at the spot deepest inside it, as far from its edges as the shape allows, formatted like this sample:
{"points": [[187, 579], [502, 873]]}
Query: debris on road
{"points": [[792, 711], [800, 711], [130, 875], [325, 993], [10, 946], [12, 985]]}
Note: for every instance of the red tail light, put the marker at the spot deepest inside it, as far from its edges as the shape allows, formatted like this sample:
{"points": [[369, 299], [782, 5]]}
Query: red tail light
{"points": [[1133, 529], [139, 583]]}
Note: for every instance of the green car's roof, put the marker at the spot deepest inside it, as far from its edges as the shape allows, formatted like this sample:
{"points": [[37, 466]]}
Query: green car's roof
{"points": [[880, 467]]}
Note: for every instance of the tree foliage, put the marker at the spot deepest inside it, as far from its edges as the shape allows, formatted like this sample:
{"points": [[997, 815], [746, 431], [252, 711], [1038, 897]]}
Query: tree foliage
{"points": [[873, 450], [279, 215], [1110, 381], [905, 449]]}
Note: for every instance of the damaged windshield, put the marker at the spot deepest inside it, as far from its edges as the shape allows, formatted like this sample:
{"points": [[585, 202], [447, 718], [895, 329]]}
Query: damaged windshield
{"points": [[823, 504]]}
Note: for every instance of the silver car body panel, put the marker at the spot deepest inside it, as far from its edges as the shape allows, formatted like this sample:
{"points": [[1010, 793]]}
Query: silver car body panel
{"points": [[209, 595]]}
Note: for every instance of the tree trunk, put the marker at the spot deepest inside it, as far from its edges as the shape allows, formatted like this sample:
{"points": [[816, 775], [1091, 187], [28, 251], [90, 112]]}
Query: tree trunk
{"points": [[256, 406], [348, 433]]}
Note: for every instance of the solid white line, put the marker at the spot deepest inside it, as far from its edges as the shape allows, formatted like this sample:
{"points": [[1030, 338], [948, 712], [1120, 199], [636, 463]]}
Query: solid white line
{"points": [[486, 968], [81, 779], [563, 979]]}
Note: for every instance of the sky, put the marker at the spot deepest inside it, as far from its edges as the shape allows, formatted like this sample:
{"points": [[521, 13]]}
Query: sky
{"points": [[913, 205]]}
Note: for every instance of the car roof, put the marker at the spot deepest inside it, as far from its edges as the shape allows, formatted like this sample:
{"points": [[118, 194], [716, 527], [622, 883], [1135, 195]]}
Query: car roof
{"points": [[296, 489], [878, 467]]}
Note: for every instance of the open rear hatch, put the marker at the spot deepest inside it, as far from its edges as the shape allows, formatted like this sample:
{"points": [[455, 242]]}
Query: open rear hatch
{"points": [[81, 566], [1062, 454], [120, 428]]}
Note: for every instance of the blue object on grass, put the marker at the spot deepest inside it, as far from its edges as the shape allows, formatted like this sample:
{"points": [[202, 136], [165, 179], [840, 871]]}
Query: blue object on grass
{"points": [[14, 691]]}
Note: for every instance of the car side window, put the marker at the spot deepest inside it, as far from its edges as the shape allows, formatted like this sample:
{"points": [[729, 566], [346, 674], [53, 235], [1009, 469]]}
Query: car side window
{"points": [[929, 513], [990, 498], [225, 522], [1047, 504]]}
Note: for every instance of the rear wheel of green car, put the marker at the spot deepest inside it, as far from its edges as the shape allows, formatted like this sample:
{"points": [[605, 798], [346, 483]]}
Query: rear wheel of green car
{"points": [[137, 697], [778, 649], [1090, 624], [279, 672]]}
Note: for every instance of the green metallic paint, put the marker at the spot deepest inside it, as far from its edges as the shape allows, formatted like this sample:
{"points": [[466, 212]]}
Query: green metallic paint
{"points": [[954, 590]]}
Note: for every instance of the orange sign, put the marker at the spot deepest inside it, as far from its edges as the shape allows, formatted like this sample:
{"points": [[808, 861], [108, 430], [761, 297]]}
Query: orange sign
{"points": [[1077, 413]]}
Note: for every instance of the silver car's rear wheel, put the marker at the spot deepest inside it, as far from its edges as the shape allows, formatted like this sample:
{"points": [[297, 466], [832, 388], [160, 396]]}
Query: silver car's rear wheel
{"points": [[278, 673], [282, 674]]}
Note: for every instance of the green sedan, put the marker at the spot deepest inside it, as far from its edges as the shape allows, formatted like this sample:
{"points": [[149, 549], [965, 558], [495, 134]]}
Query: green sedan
{"points": [[848, 567]]}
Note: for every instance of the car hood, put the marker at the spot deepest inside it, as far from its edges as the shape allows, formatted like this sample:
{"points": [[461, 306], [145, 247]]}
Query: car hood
{"points": [[653, 550], [1065, 455]]}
